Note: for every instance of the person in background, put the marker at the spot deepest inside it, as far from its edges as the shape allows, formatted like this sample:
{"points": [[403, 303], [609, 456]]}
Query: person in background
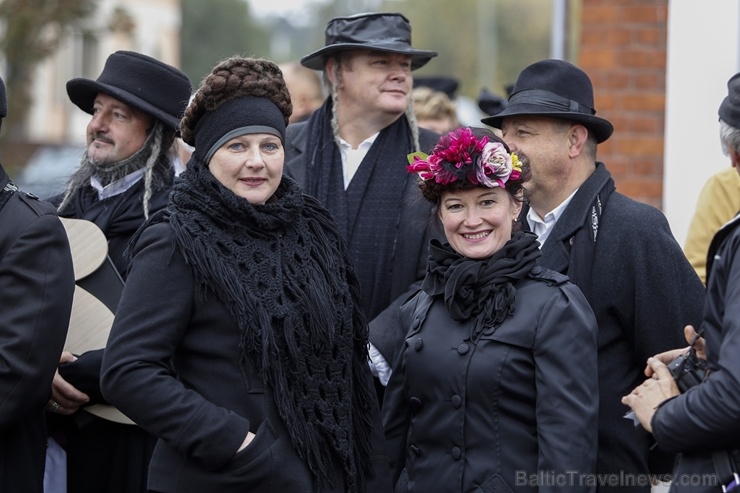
{"points": [[495, 382], [718, 202], [701, 424], [434, 110], [36, 289], [347, 155], [125, 175], [619, 252], [241, 341], [306, 92]]}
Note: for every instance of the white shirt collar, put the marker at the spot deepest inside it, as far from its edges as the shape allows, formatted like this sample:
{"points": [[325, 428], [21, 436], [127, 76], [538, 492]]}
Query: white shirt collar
{"points": [[352, 158], [542, 227], [117, 187]]}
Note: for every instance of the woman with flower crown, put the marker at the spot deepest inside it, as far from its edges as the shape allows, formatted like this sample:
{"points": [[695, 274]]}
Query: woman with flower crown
{"points": [[495, 388]]}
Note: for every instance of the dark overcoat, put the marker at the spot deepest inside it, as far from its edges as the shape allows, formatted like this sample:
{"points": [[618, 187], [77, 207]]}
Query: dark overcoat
{"points": [[643, 293], [36, 290], [707, 418], [515, 410], [413, 233], [175, 370]]}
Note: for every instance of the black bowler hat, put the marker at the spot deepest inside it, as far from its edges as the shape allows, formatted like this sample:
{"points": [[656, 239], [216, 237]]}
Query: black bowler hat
{"points": [[389, 32], [490, 103], [139, 81], [729, 110], [556, 89], [3, 100], [447, 85]]}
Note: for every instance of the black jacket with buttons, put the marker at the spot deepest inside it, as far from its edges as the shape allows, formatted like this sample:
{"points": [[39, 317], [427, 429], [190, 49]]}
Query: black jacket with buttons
{"points": [[517, 409]]}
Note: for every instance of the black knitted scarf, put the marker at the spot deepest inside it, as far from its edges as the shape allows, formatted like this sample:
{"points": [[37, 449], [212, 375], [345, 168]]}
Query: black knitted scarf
{"points": [[480, 288], [283, 272]]}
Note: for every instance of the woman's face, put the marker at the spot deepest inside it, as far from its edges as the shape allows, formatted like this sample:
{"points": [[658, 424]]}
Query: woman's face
{"points": [[250, 165], [478, 221]]}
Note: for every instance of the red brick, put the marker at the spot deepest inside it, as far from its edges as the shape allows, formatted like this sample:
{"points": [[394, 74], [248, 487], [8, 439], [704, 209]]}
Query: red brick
{"points": [[604, 12], [641, 146], [644, 102], [645, 14]]}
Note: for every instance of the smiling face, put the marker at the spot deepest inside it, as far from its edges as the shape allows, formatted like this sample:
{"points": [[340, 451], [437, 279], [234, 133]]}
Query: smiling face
{"points": [[250, 165], [478, 221], [116, 131], [375, 82]]}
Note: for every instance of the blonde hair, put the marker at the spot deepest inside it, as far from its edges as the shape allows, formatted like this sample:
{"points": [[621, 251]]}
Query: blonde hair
{"points": [[433, 105]]}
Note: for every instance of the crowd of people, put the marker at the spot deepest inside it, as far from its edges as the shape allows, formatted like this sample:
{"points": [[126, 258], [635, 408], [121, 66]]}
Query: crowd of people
{"points": [[345, 290]]}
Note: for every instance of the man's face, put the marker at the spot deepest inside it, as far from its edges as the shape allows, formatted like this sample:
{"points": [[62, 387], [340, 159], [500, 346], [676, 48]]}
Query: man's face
{"points": [[545, 141], [116, 131], [374, 81]]}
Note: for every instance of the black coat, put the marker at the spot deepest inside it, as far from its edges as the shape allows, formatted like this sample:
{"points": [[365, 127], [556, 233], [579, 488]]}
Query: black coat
{"points": [[36, 288], [172, 365], [102, 454], [707, 417], [643, 293], [471, 417], [413, 234]]}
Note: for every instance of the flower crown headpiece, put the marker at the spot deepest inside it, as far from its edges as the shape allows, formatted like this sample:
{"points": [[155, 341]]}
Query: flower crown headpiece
{"points": [[462, 156]]}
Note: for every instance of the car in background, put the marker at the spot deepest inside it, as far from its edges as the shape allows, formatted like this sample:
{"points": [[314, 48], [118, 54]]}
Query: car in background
{"points": [[48, 170]]}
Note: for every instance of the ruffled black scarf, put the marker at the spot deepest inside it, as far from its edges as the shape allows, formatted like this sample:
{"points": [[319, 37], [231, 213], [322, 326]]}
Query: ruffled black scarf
{"points": [[482, 289], [283, 272]]}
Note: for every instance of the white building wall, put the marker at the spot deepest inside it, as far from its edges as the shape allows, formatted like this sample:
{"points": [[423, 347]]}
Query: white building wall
{"points": [[703, 53], [53, 118]]}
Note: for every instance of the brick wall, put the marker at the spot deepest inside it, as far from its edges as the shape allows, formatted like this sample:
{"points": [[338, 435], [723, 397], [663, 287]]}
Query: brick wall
{"points": [[623, 49]]}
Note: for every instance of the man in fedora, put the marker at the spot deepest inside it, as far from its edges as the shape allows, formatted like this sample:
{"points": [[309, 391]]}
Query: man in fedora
{"points": [[621, 253], [351, 156], [125, 176], [36, 289]]}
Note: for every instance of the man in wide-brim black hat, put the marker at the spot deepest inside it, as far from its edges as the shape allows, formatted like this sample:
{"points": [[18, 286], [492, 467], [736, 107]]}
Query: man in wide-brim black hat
{"points": [[125, 175], [351, 155], [621, 253]]}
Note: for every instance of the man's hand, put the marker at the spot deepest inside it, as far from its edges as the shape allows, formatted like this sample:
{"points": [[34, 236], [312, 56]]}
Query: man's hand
{"points": [[65, 398], [648, 396]]}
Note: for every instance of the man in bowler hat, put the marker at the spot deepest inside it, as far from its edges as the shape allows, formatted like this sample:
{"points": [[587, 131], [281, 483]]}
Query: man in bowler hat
{"points": [[620, 253], [36, 288], [351, 156], [702, 425], [125, 175]]}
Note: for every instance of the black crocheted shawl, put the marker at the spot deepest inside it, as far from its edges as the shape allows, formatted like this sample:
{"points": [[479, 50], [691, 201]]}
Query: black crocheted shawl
{"points": [[284, 273]]}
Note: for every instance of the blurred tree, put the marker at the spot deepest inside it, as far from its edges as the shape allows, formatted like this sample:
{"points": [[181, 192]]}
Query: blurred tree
{"points": [[217, 29], [482, 43], [33, 29]]}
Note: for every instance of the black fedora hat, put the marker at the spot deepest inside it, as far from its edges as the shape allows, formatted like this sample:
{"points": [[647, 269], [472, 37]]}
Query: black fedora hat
{"points": [[447, 85], [140, 81], [390, 32], [556, 89], [729, 110]]}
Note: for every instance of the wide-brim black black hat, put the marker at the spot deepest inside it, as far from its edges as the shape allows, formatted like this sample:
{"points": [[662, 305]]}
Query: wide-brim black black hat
{"points": [[389, 32], [556, 89], [140, 81], [729, 110], [447, 85]]}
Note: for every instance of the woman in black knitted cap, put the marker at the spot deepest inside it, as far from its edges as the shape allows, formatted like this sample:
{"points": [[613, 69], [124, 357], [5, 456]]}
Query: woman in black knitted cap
{"points": [[242, 343]]}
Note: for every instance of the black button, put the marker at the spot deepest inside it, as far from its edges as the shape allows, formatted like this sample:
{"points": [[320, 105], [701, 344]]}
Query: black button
{"points": [[415, 450], [463, 348], [456, 401], [418, 344], [456, 453], [415, 324], [536, 270], [415, 404]]}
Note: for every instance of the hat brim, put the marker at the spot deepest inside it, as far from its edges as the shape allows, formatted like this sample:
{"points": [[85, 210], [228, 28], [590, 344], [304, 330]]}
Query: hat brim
{"points": [[317, 59], [601, 128], [82, 92]]}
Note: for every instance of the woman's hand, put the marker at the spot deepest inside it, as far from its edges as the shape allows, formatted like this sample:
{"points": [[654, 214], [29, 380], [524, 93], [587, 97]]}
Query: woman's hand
{"points": [[247, 441], [645, 399]]}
